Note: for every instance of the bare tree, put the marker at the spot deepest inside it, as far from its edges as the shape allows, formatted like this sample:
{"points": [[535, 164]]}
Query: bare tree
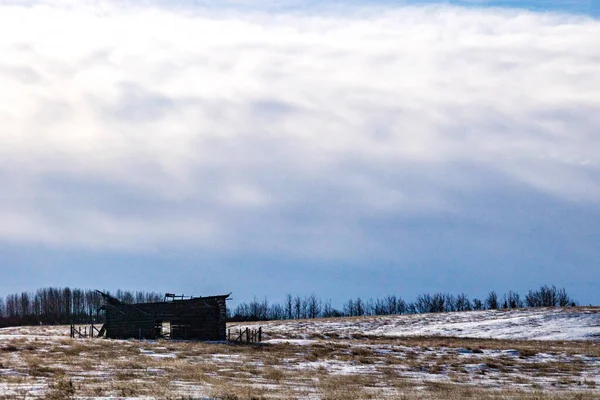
{"points": [[259, 310], [449, 303], [360, 307], [564, 299], [478, 304], [349, 308], [314, 306], [491, 301], [423, 303], [305, 308], [288, 306], [390, 305], [438, 303], [328, 310], [411, 308], [298, 306], [513, 300], [462, 303], [276, 312], [24, 304]]}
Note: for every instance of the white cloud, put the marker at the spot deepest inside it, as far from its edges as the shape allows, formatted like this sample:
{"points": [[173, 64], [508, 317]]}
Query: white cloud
{"points": [[134, 126]]}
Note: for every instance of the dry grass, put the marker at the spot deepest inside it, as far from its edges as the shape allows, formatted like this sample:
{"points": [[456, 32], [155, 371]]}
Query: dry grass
{"points": [[359, 368], [61, 390]]}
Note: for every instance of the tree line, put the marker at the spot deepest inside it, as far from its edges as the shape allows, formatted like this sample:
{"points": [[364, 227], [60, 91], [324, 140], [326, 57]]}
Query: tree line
{"points": [[296, 307], [53, 306]]}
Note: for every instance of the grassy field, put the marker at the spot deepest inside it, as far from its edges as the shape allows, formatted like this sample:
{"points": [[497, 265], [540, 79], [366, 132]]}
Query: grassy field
{"points": [[42, 362]]}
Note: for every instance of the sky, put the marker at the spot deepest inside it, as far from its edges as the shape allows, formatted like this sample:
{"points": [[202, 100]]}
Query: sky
{"points": [[342, 148]]}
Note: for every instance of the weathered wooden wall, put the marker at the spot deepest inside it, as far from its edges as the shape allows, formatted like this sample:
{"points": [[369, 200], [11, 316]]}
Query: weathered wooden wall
{"points": [[201, 318]]}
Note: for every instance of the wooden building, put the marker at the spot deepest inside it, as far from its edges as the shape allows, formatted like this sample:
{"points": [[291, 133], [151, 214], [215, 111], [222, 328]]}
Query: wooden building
{"points": [[199, 318]]}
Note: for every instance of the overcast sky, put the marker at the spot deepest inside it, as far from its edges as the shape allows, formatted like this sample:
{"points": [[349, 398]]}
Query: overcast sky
{"points": [[273, 147]]}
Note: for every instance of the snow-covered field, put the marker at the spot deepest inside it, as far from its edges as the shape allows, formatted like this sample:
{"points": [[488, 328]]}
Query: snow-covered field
{"points": [[578, 323], [519, 354]]}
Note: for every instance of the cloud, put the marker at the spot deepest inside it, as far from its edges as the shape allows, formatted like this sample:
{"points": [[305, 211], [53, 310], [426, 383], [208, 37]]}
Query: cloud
{"points": [[139, 127]]}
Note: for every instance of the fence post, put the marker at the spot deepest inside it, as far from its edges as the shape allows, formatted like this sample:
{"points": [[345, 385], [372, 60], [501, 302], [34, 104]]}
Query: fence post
{"points": [[247, 335], [259, 334], [229, 335]]}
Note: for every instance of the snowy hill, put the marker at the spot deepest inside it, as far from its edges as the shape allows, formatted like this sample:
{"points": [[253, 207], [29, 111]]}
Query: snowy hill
{"points": [[575, 323]]}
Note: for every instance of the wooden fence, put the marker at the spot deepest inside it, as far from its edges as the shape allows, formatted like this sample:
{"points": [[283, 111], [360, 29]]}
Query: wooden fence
{"points": [[84, 332], [246, 335]]}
